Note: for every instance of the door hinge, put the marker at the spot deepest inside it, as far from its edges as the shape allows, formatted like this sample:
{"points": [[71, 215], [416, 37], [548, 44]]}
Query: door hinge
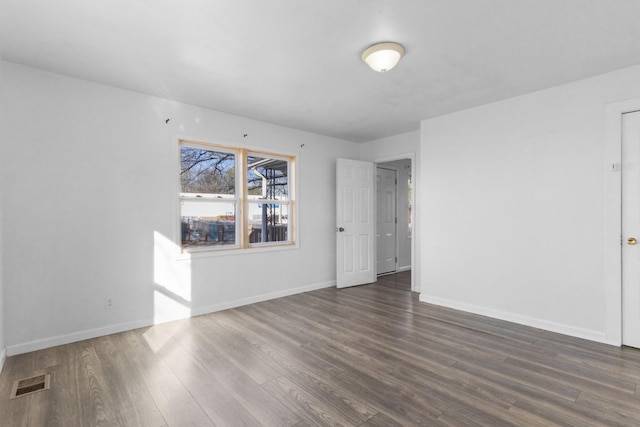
{"points": [[396, 220], [396, 259]]}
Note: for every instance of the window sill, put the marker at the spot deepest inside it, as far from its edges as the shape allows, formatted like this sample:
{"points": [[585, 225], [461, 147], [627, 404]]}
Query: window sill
{"points": [[210, 253]]}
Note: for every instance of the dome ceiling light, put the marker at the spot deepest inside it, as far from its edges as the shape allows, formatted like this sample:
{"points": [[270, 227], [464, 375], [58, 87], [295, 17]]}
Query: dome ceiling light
{"points": [[382, 57]]}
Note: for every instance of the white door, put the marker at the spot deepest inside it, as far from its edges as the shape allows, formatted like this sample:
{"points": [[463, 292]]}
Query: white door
{"points": [[386, 222], [631, 229], [355, 223]]}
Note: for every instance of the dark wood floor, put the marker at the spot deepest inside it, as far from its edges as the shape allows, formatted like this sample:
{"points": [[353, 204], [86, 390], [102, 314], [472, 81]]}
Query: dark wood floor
{"points": [[366, 356], [400, 281]]}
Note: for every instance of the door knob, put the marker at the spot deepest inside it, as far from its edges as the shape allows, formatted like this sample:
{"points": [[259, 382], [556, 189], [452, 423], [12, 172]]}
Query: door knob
{"points": [[340, 229], [631, 241]]}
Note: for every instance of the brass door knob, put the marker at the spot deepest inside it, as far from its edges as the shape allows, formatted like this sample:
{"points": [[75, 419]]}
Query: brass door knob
{"points": [[631, 241]]}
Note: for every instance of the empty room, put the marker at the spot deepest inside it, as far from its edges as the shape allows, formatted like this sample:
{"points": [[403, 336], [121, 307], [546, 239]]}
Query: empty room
{"points": [[329, 213]]}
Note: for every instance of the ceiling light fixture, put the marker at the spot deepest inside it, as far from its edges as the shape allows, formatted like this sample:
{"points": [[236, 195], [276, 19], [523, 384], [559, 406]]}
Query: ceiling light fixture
{"points": [[382, 57]]}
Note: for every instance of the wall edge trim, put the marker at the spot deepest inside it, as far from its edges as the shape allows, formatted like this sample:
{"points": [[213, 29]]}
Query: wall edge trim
{"points": [[3, 358]]}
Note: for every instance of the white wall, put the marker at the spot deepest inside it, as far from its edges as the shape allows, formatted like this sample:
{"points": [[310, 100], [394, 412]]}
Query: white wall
{"points": [[3, 352], [513, 197], [90, 211], [391, 148]]}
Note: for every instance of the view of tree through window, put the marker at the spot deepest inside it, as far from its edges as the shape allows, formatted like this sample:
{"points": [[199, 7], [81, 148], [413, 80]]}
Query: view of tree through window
{"points": [[208, 206], [267, 177], [205, 171], [210, 198]]}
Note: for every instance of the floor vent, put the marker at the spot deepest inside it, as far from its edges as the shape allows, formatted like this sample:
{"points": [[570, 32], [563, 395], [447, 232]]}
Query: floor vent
{"points": [[30, 385]]}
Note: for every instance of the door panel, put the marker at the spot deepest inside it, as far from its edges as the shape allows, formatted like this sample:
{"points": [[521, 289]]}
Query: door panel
{"points": [[631, 229], [354, 223]]}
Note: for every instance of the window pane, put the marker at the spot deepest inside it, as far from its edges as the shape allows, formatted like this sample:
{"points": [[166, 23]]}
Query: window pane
{"points": [[207, 223], [206, 171], [268, 223], [267, 178]]}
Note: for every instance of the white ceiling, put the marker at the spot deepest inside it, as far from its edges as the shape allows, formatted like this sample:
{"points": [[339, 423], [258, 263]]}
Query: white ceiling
{"points": [[297, 62]]}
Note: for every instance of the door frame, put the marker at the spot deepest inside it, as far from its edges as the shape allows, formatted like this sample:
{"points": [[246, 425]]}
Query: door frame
{"points": [[613, 217], [415, 268]]}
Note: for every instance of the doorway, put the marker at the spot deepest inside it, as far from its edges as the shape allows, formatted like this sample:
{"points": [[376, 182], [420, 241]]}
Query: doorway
{"points": [[394, 216], [386, 220], [356, 251]]}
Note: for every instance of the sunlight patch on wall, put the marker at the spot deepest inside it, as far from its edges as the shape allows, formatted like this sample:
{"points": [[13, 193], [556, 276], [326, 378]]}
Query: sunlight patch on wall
{"points": [[172, 296]]}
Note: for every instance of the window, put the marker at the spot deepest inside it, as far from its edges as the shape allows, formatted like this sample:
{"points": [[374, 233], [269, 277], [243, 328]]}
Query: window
{"points": [[234, 198]]}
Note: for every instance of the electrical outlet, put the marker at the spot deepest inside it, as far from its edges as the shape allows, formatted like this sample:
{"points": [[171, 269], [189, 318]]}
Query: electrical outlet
{"points": [[108, 304]]}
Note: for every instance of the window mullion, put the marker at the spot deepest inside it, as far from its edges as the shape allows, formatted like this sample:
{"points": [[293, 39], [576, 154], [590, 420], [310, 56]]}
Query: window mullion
{"points": [[243, 196]]}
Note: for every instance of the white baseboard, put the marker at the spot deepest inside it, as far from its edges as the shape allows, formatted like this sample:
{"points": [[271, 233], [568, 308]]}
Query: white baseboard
{"points": [[260, 298], [405, 268], [127, 326], [43, 343], [516, 318]]}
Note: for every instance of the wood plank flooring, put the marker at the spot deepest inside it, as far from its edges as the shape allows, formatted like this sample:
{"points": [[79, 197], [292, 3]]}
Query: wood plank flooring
{"points": [[366, 356]]}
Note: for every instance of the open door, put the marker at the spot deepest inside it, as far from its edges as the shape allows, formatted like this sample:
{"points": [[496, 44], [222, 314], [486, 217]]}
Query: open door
{"points": [[355, 223], [631, 229]]}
